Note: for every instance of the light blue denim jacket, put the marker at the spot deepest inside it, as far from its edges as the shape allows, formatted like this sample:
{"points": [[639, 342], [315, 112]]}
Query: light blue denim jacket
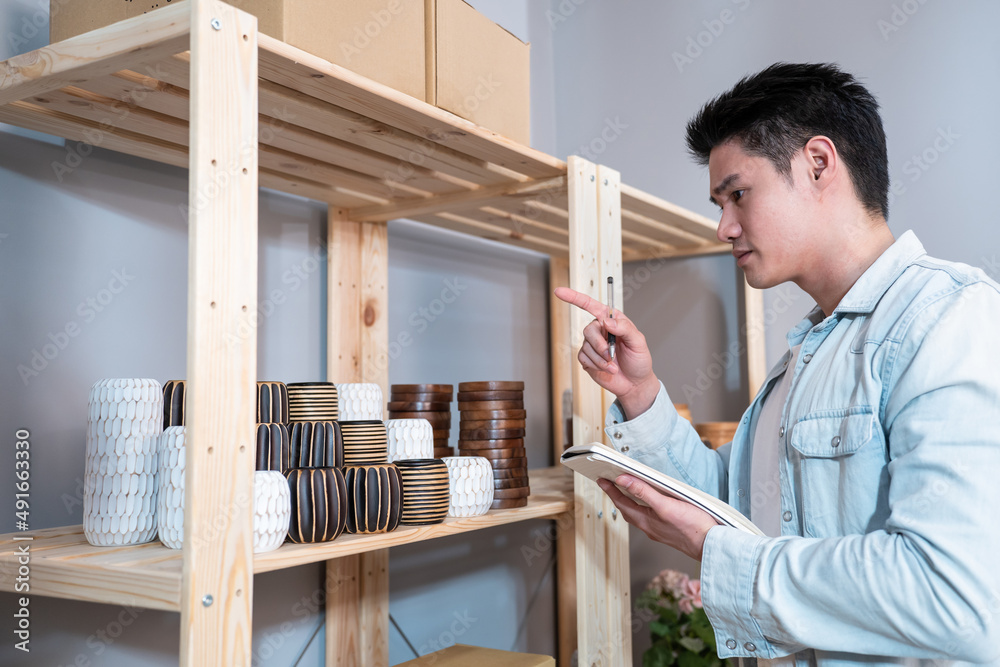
{"points": [[889, 479]]}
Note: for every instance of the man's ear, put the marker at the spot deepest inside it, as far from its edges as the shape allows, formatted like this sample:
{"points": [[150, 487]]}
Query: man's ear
{"points": [[821, 158]]}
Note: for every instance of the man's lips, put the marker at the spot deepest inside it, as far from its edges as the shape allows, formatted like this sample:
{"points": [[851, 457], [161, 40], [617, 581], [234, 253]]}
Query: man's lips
{"points": [[740, 255]]}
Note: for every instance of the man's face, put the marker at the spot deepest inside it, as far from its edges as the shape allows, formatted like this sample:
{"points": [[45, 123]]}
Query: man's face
{"points": [[763, 216]]}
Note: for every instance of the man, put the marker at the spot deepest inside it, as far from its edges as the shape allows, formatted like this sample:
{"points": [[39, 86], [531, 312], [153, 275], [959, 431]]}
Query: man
{"points": [[868, 457]]}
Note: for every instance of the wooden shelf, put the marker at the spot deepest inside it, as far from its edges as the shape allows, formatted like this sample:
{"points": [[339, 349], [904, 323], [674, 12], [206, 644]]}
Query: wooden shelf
{"points": [[328, 134], [65, 565]]}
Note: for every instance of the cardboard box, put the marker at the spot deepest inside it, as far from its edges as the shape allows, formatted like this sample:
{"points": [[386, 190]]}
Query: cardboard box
{"points": [[478, 70], [460, 655], [380, 39]]}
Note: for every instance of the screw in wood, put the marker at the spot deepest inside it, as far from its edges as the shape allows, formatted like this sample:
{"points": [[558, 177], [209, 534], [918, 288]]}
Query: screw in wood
{"points": [[217, 24], [207, 600]]}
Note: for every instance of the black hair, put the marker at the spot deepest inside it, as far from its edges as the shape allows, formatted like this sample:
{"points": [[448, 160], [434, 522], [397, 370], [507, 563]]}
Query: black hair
{"points": [[775, 112]]}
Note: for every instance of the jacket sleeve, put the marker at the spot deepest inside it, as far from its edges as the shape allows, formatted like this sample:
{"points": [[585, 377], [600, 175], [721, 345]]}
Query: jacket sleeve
{"points": [[926, 583], [664, 440]]}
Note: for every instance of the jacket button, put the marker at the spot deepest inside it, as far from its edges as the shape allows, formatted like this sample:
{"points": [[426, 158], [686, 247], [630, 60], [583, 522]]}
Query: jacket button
{"points": [[750, 646], [746, 420], [624, 449], [836, 441], [787, 516], [807, 358], [740, 492], [618, 435], [730, 644], [781, 432]]}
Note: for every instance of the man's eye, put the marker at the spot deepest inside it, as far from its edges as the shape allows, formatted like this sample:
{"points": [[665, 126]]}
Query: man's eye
{"points": [[738, 195]]}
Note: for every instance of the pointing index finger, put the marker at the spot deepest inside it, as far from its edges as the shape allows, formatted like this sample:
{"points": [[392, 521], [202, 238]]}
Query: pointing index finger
{"points": [[582, 301]]}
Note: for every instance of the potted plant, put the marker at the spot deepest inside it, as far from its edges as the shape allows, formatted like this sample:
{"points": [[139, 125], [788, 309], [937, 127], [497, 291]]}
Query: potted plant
{"points": [[681, 632]]}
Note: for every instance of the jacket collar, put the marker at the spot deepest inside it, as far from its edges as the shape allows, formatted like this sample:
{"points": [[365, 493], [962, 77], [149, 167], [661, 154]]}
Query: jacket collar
{"points": [[866, 292]]}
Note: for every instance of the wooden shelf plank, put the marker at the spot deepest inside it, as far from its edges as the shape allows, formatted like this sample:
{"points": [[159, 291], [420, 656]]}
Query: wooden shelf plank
{"points": [[132, 42], [296, 69], [65, 565], [333, 136]]}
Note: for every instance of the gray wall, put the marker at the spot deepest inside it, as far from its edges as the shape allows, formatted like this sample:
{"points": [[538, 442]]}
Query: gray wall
{"points": [[595, 64]]}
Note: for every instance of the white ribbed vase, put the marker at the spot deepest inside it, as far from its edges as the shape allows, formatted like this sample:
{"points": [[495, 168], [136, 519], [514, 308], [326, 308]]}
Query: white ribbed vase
{"points": [[272, 509], [410, 439], [470, 483], [119, 491], [170, 494], [359, 401]]}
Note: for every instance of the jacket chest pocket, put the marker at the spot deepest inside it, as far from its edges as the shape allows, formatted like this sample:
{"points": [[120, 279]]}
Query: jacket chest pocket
{"points": [[840, 462]]}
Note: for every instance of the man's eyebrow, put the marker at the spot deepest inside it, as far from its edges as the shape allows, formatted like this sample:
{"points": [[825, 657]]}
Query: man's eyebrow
{"points": [[726, 182], [720, 188]]}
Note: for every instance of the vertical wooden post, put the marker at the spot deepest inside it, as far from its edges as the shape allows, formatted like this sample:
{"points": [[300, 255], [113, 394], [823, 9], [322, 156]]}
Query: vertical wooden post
{"points": [[604, 623], [753, 302], [563, 358], [357, 587], [563, 355], [217, 575]]}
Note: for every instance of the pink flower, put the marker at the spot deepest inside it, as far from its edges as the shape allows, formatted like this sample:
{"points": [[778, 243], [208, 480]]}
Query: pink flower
{"points": [[670, 583], [690, 596]]}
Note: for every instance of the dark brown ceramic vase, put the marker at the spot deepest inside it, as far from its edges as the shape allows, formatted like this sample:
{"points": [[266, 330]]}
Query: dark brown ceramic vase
{"points": [[374, 498], [425, 491], [173, 403], [319, 504], [272, 403], [316, 445], [272, 447]]}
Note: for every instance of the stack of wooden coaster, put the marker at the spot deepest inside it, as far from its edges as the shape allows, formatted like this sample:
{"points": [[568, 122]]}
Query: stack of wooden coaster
{"points": [[492, 426], [425, 401]]}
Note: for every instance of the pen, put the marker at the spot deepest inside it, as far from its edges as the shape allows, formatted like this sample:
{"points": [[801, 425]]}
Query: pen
{"points": [[611, 313]]}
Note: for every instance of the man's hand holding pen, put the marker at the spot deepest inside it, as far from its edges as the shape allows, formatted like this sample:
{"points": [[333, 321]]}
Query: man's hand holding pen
{"points": [[629, 375]]}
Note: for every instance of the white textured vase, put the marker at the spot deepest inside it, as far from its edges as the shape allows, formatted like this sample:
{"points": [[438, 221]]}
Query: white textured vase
{"points": [[359, 401], [470, 483], [170, 493], [123, 426], [410, 439], [272, 510]]}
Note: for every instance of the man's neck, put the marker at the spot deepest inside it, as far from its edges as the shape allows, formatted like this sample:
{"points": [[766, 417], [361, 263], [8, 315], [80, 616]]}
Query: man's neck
{"points": [[857, 250]]}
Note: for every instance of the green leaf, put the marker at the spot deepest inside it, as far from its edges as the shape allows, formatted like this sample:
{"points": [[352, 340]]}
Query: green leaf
{"points": [[659, 629], [692, 644]]}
